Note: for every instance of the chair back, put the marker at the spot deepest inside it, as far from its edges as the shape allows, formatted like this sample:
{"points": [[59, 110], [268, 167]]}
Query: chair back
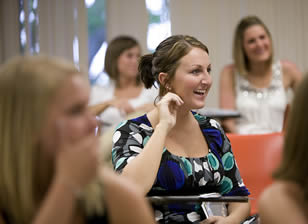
{"points": [[257, 156]]}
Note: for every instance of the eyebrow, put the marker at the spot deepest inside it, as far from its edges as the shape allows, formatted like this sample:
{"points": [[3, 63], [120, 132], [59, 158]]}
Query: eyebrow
{"points": [[198, 65]]}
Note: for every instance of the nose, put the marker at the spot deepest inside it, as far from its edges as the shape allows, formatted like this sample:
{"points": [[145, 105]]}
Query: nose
{"points": [[206, 78], [258, 42]]}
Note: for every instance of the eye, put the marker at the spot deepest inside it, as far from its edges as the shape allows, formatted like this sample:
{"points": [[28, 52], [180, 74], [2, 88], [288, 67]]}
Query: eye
{"points": [[262, 37], [196, 71], [76, 109], [251, 41], [130, 55], [209, 70]]}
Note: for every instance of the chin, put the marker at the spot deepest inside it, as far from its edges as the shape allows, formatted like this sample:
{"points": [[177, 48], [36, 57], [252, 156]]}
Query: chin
{"points": [[198, 106]]}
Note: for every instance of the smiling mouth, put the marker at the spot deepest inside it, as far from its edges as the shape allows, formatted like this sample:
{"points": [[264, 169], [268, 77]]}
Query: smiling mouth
{"points": [[200, 92]]}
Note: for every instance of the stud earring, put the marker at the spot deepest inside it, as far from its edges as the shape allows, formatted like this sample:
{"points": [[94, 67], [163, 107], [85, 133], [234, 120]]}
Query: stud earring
{"points": [[168, 88]]}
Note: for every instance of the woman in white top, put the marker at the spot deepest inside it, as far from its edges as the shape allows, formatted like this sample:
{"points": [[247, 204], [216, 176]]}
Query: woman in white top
{"points": [[255, 85], [125, 93]]}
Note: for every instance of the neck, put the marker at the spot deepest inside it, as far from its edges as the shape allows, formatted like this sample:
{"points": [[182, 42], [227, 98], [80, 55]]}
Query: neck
{"points": [[184, 121], [125, 82], [260, 68]]}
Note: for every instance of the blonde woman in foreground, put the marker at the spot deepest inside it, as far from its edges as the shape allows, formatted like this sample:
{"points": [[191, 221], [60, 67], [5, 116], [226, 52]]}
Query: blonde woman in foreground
{"points": [[50, 170], [286, 200]]}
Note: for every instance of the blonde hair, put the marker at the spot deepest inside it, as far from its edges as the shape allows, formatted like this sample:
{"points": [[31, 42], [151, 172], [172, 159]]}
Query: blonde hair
{"points": [[294, 166], [27, 85], [239, 56]]}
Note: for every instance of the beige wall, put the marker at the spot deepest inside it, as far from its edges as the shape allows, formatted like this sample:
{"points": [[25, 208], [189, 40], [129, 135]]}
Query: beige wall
{"points": [[213, 22], [127, 17]]}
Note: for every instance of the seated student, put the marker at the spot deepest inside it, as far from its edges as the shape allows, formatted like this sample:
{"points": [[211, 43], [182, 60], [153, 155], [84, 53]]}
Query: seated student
{"points": [[286, 200], [171, 150], [49, 161], [125, 93], [256, 85]]}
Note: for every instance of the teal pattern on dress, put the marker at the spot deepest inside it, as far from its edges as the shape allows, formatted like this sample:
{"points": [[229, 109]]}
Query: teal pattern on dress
{"points": [[216, 171]]}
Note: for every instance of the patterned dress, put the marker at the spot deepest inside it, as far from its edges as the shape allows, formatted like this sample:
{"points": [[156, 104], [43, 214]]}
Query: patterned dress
{"points": [[177, 175]]}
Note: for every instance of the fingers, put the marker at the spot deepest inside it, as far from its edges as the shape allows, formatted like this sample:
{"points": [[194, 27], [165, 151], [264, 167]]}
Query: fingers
{"points": [[211, 220], [172, 97]]}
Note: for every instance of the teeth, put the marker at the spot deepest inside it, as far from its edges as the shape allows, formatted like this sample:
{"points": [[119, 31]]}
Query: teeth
{"points": [[200, 91]]}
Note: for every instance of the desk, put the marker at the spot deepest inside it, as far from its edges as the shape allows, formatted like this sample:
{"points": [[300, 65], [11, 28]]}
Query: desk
{"points": [[218, 113], [160, 200]]}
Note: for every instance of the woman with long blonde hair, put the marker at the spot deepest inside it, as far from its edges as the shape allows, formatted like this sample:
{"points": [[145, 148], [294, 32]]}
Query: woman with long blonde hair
{"points": [[50, 170]]}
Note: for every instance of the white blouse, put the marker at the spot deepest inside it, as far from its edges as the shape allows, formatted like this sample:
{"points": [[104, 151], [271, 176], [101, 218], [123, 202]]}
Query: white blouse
{"points": [[113, 115], [261, 109]]}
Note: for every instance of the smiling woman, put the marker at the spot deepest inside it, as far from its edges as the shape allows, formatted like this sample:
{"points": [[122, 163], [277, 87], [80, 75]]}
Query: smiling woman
{"points": [[171, 150], [255, 85], [125, 94]]}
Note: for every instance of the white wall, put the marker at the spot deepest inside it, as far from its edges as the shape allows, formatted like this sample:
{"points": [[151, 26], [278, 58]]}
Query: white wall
{"points": [[213, 22]]}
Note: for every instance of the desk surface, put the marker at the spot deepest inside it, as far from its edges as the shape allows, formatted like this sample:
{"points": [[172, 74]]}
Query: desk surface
{"points": [[158, 200], [219, 113]]}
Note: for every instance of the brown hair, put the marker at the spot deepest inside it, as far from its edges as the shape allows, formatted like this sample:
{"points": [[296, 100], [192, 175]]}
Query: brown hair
{"points": [[240, 58], [166, 59], [294, 166], [116, 47]]}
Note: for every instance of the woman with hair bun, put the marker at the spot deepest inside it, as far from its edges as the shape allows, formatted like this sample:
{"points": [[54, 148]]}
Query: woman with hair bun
{"points": [[172, 150]]}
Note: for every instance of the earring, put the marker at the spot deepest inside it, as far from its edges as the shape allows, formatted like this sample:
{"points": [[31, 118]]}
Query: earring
{"points": [[168, 88]]}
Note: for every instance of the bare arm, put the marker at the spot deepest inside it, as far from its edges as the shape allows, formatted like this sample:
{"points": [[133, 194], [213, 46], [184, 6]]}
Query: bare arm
{"points": [[238, 211], [279, 205], [99, 108], [59, 204], [125, 203], [75, 166], [143, 169], [227, 96]]}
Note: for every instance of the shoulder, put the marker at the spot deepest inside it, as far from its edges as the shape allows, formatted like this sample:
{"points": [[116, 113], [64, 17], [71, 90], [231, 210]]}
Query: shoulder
{"points": [[120, 194], [291, 71], [137, 128], [206, 122], [288, 65], [101, 93], [118, 186], [227, 75], [283, 200], [211, 129], [228, 70], [105, 87]]}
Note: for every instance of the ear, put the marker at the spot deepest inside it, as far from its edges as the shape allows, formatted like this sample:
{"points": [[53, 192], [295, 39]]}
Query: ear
{"points": [[162, 78]]}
